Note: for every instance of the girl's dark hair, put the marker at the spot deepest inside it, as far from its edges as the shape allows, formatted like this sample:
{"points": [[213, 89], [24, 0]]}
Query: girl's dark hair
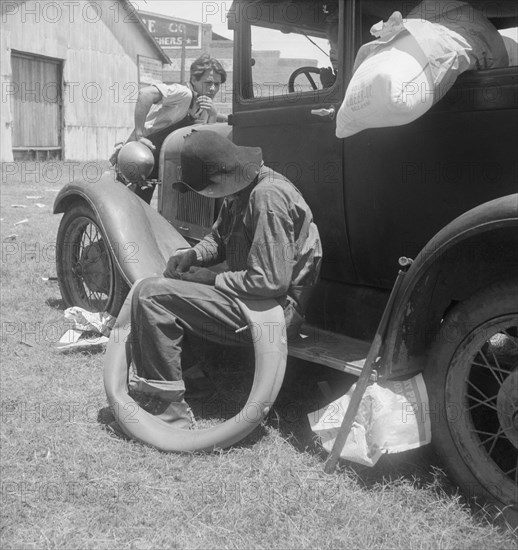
{"points": [[204, 63]]}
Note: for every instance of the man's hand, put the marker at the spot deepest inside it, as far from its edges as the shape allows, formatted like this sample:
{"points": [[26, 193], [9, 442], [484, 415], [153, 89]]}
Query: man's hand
{"points": [[115, 154], [199, 275], [327, 77], [206, 103], [179, 263], [147, 143]]}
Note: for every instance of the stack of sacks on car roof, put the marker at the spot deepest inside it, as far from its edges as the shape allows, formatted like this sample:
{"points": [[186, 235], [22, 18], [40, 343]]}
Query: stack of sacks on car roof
{"points": [[414, 62]]}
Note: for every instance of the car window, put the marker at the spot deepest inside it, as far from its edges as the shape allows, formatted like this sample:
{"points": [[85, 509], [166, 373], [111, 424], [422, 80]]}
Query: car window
{"points": [[287, 63]]}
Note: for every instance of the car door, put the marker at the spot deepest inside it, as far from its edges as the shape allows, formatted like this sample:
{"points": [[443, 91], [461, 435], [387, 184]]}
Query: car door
{"points": [[281, 106]]}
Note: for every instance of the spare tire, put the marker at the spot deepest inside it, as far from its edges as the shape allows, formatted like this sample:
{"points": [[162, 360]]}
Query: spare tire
{"points": [[270, 365]]}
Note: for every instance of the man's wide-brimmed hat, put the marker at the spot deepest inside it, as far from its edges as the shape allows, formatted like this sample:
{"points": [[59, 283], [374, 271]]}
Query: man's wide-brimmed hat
{"points": [[215, 167]]}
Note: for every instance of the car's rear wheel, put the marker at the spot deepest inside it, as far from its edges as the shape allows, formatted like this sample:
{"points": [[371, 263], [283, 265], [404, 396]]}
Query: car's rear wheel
{"points": [[87, 274], [472, 382]]}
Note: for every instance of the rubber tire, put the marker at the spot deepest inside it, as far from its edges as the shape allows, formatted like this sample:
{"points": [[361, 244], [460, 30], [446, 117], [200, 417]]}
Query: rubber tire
{"points": [[66, 237], [464, 320], [270, 365]]}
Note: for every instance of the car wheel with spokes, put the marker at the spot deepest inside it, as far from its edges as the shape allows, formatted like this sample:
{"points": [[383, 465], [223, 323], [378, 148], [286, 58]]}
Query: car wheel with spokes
{"points": [[472, 382], [87, 274]]}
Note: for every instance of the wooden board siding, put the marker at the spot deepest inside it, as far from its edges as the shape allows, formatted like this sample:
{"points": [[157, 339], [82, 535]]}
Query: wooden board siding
{"points": [[99, 68], [6, 118], [36, 102]]}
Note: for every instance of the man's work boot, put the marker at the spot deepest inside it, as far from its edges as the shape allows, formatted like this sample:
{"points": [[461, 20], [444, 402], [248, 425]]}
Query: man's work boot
{"points": [[176, 413], [164, 400]]}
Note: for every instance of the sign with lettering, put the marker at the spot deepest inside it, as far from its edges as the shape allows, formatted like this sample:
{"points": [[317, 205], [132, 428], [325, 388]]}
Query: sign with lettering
{"points": [[148, 70], [170, 33]]}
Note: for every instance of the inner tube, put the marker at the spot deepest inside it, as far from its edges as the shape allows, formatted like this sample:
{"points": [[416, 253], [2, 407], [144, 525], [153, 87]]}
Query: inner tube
{"points": [[270, 350]]}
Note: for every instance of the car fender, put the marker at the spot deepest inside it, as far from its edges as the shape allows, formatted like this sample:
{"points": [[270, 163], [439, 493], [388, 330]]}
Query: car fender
{"points": [[473, 251], [139, 238]]}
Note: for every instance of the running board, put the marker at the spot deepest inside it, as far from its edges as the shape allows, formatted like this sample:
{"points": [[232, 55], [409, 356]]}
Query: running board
{"points": [[330, 349]]}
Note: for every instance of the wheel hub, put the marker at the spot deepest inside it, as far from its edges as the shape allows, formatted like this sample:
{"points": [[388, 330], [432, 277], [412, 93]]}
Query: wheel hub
{"points": [[507, 406], [94, 268]]}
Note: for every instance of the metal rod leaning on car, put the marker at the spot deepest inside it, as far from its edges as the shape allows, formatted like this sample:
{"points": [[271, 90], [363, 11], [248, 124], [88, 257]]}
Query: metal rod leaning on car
{"points": [[365, 376]]}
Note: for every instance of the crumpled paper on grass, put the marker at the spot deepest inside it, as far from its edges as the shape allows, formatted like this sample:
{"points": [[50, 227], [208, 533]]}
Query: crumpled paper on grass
{"points": [[392, 418], [87, 321], [89, 329]]}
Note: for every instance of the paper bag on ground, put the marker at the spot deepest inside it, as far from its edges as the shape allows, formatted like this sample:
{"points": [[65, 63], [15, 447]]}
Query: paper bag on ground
{"points": [[75, 340], [89, 329], [392, 418], [87, 321]]}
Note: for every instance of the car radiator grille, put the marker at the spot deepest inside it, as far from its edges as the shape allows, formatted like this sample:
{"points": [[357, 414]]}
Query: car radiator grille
{"points": [[195, 209]]}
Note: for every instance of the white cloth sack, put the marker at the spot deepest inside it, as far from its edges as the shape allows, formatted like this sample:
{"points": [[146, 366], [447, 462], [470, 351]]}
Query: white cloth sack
{"points": [[414, 62], [389, 88], [392, 418], [510, 38]]}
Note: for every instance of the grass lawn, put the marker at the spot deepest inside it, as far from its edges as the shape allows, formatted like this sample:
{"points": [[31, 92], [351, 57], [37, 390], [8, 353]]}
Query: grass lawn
{"points": [[66, 482]]}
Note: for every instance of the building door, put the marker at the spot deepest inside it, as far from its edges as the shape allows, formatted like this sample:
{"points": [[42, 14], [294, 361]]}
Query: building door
{"points": [[37, 113]]}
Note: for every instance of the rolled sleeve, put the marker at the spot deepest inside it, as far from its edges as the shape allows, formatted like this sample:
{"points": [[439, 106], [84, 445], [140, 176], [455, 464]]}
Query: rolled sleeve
{"points": [[211, 249], [208, 251]]}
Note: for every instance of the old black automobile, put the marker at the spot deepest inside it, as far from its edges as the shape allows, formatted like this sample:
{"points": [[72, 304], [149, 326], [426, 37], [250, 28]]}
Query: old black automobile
{"points": [[441, 190]]}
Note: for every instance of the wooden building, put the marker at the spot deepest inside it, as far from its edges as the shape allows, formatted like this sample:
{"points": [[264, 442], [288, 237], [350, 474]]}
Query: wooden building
{"points": [[70, 73]]}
